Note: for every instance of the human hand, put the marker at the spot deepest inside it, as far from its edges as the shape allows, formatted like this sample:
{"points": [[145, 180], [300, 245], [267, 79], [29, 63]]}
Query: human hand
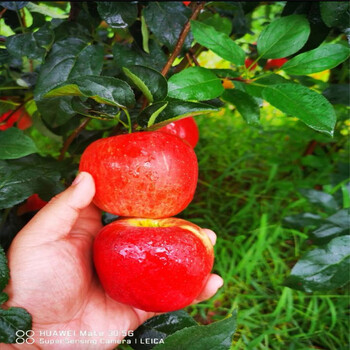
{"points": [[52, 274]]}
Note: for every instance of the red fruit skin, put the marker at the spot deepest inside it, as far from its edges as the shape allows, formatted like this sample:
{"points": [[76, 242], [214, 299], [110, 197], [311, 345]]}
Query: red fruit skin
{"points": [[248, 62], [186, 129], [186, 3], [153, 265], [20, 116], [275, 63], [143, 174], [33, 203]]}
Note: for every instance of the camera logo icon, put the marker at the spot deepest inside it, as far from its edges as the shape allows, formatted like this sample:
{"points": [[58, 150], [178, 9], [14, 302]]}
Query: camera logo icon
{"points": [[25, 337]]}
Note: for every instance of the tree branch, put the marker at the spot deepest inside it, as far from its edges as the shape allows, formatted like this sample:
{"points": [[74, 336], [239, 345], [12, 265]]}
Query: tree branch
{"points": [[182, 38], [72, 136]]}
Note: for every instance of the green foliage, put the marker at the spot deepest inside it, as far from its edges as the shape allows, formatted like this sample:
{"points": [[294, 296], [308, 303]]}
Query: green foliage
{"points": [[283, 37], [246, 105], [318, 60], [160, 113], [13, 318], [323, 268], [195, 83], [117, 14], [4, 271], [14, 144], [310, 107], [218, 42], [103, 62], [105, 90], [217, 335], [151, 83]]}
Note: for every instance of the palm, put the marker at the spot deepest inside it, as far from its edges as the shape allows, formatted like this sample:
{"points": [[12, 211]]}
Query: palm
{"points": [[72, 297]]}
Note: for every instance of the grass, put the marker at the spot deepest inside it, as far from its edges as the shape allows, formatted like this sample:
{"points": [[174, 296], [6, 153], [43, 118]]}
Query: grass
{"points": [[248, 182]]}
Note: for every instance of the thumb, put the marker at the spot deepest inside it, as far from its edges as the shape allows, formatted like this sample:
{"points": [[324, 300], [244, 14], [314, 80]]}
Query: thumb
{"points": [[57, 218]]}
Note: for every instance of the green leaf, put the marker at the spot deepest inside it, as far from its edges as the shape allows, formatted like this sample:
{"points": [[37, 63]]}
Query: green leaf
{"points": [[21, 178], [307, 105], [108, 90], [257, 87], [152, 84], [218, 42], [324, 268], [145, 34], [160, 327], [56, 111], [324, 57], [215, 336], [4, 270], [225, 73], [117, 14], [335, 225], [155, 114], [6, 106], [195, 83], [166, 21], [245, 104], [221, 24], [32, 45], [324, 199], [303, 220], [15, 144], [44, 9], [13, 5], [126, 56], [12, 320], [283, 37], [338, 94], [175, 109], [335, 13], [92, 109], [3, 298], [68, 59]]}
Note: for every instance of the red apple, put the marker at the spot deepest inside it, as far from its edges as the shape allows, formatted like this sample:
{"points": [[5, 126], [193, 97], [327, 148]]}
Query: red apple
{"points": [[275, 63], [153, 265], [33, 203], [248, 62], [143, 174], [8, 119], [186, 129]]}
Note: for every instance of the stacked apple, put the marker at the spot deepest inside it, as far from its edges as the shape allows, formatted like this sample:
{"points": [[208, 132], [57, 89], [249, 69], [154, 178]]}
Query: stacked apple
{"points": [[148, 260]]}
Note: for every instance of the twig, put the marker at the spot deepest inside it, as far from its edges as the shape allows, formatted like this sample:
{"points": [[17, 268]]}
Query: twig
{"points": [[74, 11], [184, 63], [194, 58], [2, 12], [17, 109], [181, 39], [72, 136], [310, 148], [188, 58]]}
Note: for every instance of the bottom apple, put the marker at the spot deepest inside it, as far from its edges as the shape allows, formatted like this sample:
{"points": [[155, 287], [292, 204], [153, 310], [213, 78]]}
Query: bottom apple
{"points": [[156, 265]]}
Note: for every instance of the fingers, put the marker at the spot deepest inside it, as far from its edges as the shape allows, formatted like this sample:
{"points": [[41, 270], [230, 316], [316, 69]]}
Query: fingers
{"points": [[57, 218], [211, 234], [214, 283]]}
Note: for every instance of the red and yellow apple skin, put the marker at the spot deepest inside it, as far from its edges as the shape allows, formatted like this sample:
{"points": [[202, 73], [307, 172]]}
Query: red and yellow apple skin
{"points": [[143, 174], [275, 63], [186, 129], [154, 265]]}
